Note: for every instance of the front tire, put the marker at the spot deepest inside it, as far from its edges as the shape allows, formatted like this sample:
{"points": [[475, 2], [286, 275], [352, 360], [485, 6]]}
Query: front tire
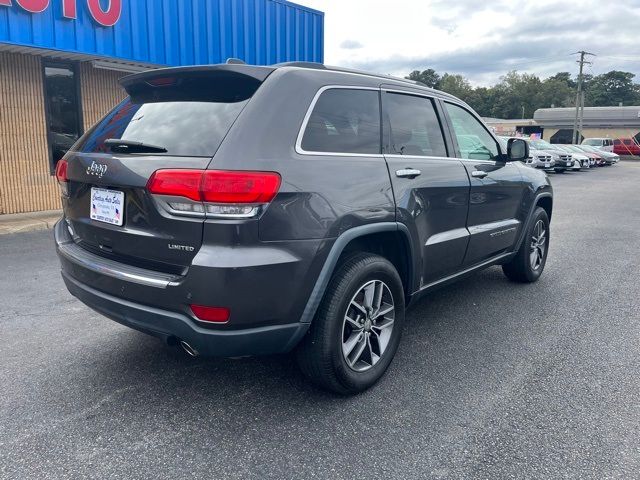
{"points": [[356, 331], [529, 262]]}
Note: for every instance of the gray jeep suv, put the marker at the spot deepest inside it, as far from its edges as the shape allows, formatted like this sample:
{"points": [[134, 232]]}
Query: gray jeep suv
{"points": [[240, 210]]}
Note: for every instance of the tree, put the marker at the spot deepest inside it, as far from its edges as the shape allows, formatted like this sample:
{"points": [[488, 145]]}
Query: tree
{"points": [[612, 88], [456, 85], [429, 77], [517, 90]]}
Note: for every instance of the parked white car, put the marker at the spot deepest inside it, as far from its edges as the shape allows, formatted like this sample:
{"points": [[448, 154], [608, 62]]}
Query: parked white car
{"points": [[580, 160], [605, 144], [537, 158]]}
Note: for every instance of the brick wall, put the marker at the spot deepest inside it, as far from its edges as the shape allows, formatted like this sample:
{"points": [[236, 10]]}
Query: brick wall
{"points": [[25, 181]]}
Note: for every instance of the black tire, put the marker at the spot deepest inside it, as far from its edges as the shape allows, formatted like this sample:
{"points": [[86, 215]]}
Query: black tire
{"points": [[521, 267], [320, 354]]}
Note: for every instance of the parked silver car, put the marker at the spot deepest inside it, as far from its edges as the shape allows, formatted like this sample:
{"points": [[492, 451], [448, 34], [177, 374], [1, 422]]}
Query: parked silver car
{"points": [[537, 158], [564, 160], [609, 158]]}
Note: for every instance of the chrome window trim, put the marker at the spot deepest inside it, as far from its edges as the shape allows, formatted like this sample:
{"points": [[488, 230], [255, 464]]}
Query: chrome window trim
{"points": [[305, 121], [424, 157]]}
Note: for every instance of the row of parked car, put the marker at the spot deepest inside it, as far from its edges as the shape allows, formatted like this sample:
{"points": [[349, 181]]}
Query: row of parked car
{"points": [[559, 158]]}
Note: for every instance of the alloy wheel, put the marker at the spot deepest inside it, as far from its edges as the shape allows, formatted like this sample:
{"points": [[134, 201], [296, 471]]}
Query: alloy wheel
{"points": [[538, 245], [367, 326]]}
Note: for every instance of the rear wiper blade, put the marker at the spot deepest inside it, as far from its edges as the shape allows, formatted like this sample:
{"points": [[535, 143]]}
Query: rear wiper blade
{"points": [[129, 146]]}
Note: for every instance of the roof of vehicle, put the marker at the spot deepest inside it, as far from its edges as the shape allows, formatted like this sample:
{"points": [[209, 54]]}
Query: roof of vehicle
{"points": [[260, 73]]}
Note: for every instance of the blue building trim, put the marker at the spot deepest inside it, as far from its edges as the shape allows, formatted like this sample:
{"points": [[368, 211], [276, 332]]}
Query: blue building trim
{"points": [[173, 32]]}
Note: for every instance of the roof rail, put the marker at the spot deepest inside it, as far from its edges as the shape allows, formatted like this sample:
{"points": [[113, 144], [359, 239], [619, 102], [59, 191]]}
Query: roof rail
{"points": [[314, 65], [321, 66]]}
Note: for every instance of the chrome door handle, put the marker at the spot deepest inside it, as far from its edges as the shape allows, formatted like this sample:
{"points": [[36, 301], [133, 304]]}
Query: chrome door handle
{"points": [[479, 174], [408, 173]]}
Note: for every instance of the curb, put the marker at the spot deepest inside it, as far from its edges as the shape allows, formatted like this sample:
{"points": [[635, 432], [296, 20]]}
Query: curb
{"points": [[28, 222]]}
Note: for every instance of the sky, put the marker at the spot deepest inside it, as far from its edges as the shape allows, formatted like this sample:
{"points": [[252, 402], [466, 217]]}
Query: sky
{"points": [[481, 40]]}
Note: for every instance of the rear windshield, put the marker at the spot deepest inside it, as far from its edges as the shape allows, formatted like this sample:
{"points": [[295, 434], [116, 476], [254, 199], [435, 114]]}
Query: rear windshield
{"points": [[186, 116], [185, 128]]}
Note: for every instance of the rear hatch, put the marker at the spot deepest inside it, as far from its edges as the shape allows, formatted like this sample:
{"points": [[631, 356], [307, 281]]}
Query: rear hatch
{"points": [[173, 119]]}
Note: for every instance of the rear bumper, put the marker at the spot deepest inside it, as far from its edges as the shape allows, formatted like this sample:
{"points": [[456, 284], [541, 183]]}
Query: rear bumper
{"points": [[265, 300], [171, 325]]}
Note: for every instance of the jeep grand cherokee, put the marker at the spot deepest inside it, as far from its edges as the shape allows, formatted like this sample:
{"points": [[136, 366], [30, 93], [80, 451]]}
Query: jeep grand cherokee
{"points": [[241, 210]]}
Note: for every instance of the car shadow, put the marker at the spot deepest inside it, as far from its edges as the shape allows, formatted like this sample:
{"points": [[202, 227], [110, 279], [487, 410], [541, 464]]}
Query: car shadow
{"points": [[143, 362]]}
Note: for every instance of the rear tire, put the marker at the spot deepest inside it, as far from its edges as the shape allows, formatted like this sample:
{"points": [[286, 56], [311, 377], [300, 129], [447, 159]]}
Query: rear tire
{"points": [[529, 262], [351, 319]]}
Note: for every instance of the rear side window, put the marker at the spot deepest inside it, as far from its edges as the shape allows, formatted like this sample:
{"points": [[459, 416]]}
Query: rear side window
{"points": [[190, 118], [474, 141], [616, 142], [413, 126], [344, 121]]}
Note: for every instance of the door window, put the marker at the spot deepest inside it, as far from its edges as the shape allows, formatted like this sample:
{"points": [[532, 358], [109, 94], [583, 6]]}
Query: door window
{"points": [[412, 126], [344, 121], [62, 103], [474, 141]]}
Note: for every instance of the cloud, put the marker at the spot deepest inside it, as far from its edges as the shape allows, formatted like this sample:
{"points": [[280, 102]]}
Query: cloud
{"points": [[482, 41], [351, 45]]}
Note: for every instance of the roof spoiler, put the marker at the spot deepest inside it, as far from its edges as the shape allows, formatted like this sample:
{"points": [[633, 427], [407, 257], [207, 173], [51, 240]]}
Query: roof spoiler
{"points": [[153, 78]]}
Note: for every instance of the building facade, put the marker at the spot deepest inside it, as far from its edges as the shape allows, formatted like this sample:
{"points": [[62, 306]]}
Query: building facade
{"points": [[598, 122], [60, 62]]}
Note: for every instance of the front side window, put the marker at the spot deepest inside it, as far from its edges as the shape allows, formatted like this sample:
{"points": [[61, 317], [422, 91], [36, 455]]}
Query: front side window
{"points": [[413, 126], [62, 103], [344, 121], [474, 141]]}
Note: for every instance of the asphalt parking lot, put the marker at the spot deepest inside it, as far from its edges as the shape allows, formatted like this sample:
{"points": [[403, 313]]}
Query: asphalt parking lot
{"points": [[492, 379]]}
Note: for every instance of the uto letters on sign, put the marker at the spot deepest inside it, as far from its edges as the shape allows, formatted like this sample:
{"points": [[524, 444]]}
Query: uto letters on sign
{"points": [[106, 17]]}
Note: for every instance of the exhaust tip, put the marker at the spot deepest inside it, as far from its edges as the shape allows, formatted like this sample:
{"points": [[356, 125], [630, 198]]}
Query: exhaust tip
{"points": [[192, 352]]}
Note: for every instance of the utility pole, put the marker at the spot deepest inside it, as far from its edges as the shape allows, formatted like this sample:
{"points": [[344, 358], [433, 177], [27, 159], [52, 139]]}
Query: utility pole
{"points": [[579, 96]]}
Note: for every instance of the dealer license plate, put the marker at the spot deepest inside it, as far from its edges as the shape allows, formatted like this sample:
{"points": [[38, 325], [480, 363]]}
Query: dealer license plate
{"points": [[107, 206]]}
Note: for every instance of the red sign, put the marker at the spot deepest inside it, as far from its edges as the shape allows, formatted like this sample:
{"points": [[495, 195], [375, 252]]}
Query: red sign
{"points": [[107, 17]]}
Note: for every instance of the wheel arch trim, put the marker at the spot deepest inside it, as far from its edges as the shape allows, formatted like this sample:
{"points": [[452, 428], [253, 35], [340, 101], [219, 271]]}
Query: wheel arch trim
{"points": [[334, 254], [534, 204]]}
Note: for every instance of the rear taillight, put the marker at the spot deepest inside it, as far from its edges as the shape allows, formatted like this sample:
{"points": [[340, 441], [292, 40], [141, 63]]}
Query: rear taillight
{"points": [[219, 193], [61, 176], [176, 183], [61, 171], [211, 314]]}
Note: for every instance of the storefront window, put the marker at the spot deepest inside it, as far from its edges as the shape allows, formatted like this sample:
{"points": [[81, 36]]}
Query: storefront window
{"points": [[62, 103]]}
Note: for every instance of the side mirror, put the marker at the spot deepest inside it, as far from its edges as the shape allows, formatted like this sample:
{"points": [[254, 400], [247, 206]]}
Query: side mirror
{"points": [[517, 150]]}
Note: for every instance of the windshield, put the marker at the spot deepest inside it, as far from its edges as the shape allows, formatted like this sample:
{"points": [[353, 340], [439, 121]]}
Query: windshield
{"points": [[541, 145]]}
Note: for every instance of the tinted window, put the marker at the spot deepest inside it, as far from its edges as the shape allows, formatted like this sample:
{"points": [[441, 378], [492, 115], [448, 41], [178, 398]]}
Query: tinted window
{"points": [[616, 142], [63, 108], [184, 128], [627, 141], [413, 126], [344, 121], [474, 141]]}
